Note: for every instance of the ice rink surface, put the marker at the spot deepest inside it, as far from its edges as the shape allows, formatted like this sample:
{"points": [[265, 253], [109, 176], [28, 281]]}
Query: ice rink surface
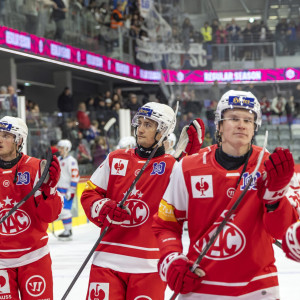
{"points": [[68, 256]]}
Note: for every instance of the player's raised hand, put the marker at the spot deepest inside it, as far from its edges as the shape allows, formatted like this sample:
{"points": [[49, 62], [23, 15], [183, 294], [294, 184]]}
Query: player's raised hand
{"points": [[279, 170], [191, 139]]}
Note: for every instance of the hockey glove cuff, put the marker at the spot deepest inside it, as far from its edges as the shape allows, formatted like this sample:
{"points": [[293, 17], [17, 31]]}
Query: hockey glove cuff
{"points": [[174, 268]]}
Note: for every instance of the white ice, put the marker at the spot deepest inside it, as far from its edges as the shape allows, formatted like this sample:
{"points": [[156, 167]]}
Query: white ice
{"points": [[68, 256]]}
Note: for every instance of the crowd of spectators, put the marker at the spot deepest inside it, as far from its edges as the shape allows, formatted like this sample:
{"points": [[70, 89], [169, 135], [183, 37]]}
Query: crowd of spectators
{"points": [[95, 23], [83, 123]]}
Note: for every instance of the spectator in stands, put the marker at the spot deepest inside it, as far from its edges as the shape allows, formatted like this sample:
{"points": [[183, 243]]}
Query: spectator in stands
{"points": [[280, 36], [135, 25], [58, 16], [214, 91], [291, 38], [30, 9], [296, 94], [44, 12], [248, 38], [256, 50], [84, 122], [210, 116], [187, 33], [91, 107], [221, 39], [227, 87], [13, 97], [206, 32], [65, 103], [290, 109], [118, 91], [207, 141], [99, 151], [117, 19], [234, 32], [266, 110], [70, 132], [83, 152], [133, 103], [278, 105]]}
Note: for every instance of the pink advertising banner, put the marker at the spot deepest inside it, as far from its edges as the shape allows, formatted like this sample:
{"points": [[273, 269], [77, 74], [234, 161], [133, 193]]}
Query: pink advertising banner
{"points": [[41, 47]]}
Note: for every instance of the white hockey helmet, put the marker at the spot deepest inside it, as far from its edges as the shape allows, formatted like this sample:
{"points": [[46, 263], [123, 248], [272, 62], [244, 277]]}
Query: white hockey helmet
{"points": [[66, 144], [172, 139], [240, 100], [162, 114], [15, 126], [127, 142]]}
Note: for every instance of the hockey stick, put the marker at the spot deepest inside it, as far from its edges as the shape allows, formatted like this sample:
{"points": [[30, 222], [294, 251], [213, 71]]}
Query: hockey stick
{"points": [[35, 188], [106, 128], [105, 229], [228, 214]]}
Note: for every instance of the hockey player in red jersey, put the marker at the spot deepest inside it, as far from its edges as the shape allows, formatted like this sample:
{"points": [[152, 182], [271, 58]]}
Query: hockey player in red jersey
{"points": [[25, 263], [125, 262], [240, 264]]}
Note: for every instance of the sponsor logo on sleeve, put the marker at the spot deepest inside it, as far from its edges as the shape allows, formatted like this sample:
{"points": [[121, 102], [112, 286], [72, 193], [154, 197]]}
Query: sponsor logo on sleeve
{"points": [[166, 211], [119, 166], [202, 186]]}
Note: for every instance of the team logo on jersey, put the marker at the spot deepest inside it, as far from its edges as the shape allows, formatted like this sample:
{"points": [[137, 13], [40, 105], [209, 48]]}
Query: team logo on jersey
{"points": [[35, 285], [119, 166], [202, 186], [136, 172], [246, 177], [98, 291], [230, 192], [140, 213], [4, 282], [6, 183], [158, 168], [230, 242], [23, 178], [139, 209], [18, 222]]}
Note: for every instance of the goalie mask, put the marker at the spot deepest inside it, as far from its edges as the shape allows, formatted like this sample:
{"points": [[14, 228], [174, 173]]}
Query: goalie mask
{"points": [[238, 100], [162, 114], [17, 127]]}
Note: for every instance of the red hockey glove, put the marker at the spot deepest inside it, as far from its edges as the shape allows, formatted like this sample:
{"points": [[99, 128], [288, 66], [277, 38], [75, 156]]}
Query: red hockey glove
{"points": [[106, 212], [50, 183], [291, 242], [191, 139], [279, 170], [175, 269]]}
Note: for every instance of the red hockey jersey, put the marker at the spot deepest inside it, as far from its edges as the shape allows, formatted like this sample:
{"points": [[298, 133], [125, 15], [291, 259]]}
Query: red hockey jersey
{"points": [[24, 234], [241, 260], [132, 247]]}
